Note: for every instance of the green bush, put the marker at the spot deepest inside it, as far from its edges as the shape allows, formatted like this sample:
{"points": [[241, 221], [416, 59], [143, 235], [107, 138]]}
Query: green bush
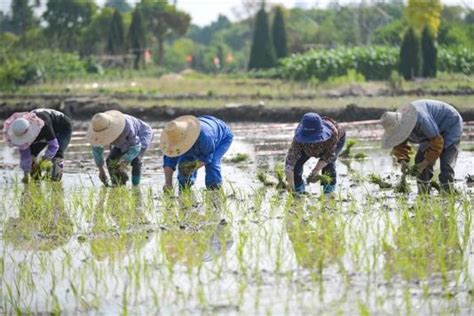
{"points": [[456, 60], [374, 63], [32, 67]]}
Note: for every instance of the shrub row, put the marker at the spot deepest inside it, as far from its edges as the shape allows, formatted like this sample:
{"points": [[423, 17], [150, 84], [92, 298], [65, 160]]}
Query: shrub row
{"points": [[374, 63], [32, 67]]}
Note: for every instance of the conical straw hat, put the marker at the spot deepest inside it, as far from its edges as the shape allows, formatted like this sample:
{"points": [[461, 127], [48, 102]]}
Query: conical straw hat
{"points": [[179, 135], [21, 129], [105, 128], [398, 125]]}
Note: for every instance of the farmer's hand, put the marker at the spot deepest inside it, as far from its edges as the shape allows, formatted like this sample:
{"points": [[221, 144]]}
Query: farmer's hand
{"points": [[103, 176], [123, 165], [313, 176], [189, 167], [26, 178], [405, 167], [168, 189], [417, 169]]}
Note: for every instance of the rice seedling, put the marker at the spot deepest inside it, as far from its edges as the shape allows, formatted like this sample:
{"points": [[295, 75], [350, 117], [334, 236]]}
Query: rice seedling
{"points": [[239, 157], [346, 153], [376, 179]]}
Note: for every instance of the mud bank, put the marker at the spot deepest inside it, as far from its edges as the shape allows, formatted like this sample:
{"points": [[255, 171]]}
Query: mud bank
{"points": [[84, 108]]}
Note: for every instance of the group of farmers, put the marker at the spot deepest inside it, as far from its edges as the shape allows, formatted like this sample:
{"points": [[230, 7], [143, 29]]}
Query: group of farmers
{"points": [[189, 143]]}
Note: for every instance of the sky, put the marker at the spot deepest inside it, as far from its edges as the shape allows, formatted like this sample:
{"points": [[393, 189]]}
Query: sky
{"points": [[203, 12]]}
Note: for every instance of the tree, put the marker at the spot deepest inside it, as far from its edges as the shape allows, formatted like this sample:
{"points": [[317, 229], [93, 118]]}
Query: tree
{"points": [[424, 13], [279, 34], [429, 53], [22, 18], [115, 36], [164, 20], [121, 5], [410, 55], [262, 53], [94, 36], [137, 37], [66, 19]]}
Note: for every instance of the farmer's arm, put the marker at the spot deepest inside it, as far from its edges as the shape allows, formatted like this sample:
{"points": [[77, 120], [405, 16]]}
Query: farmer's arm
{"points": [[329, 153], [169, 166], [292, 157], [53, 144], [435, 141]]}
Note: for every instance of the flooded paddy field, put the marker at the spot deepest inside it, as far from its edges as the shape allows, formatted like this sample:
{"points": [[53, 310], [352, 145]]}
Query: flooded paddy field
{"points": [[78, 247]]}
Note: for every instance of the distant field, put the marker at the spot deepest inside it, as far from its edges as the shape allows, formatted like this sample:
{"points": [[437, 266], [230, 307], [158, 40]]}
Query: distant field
{"points": [[233, 85]]}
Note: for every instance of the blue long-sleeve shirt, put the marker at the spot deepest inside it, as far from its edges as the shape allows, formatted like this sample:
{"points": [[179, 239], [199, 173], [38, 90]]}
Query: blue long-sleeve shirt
{"points": [[435, 118], [213, 132], [135, 138]]}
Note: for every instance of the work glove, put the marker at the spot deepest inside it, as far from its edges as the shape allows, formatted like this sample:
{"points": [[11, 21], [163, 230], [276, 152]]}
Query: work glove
{"points": [[405, 167], [416, 170]]}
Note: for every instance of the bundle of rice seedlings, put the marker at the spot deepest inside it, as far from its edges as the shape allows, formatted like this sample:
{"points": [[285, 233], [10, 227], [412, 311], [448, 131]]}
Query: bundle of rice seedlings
{"points": [[346, 153], [376, 179]]}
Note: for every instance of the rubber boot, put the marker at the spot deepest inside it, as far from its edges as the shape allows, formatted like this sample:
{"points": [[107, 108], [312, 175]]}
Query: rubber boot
{"points": [[448, 188], [57, 170]]}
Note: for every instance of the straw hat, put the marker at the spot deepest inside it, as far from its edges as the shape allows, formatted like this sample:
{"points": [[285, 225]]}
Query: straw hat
{"points": [[398, 125], [179, 135], [21, 129], [105, 128]]}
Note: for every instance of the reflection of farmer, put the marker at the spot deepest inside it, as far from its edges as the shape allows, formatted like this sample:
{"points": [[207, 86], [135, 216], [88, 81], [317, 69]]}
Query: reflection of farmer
{"points": [[192, 248], [425, 244], [190, 143], [32, 131], [43, 223], [437, 127], [317, 242], [129, 138], [120, 208], [315, 137]]}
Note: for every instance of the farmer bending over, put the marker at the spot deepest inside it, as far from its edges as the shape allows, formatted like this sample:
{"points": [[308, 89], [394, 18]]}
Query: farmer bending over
{"points": [[128, 137], [192, 142], [437, 127], [31, 132], [319, 137]]}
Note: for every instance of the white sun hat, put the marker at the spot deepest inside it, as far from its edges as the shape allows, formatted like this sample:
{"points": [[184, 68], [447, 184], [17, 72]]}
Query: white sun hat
{"points": [[179, 135], [21, 129], [398, 125], [105, 128]]}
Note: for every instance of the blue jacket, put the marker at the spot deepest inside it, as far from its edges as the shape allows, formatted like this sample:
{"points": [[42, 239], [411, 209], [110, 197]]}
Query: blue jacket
{"points": [[213, 132]]}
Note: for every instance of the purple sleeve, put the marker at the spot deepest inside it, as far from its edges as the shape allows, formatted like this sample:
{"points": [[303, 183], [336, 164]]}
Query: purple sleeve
{"points": [[53, 147], [25, 159], [146, 135]]}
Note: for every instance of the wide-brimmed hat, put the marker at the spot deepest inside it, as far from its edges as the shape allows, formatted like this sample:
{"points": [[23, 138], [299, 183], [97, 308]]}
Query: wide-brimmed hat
{"points": [[179, 135], [105, 128], [312, 129], [21, 129], [398, 125]]}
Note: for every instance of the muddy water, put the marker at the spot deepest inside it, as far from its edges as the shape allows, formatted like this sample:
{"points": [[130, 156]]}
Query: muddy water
{"points": [[83, 248]]}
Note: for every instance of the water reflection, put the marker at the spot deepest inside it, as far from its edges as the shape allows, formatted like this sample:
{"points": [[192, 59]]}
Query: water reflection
{"points": [[43, 223], [118, 223], [318, 239], [426, 242], [197, 234]]}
